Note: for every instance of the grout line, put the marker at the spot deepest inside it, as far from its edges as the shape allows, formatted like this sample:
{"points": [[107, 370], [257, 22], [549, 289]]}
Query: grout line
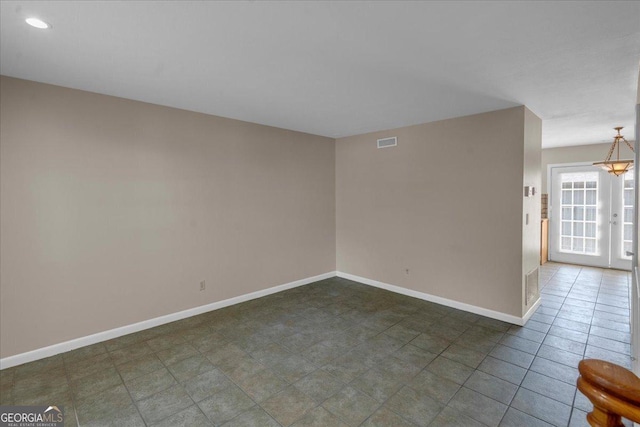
{"points": [[241, 319], [536, 355], [70, 385], [575, 392], [574, 284], [134, 403]]}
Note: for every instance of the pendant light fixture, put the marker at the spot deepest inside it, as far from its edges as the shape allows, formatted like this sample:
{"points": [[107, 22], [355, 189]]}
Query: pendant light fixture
{"points": [[616, 167]]}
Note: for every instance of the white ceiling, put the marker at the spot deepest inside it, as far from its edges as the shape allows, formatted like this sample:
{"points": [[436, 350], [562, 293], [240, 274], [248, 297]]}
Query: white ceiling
{"points": [[343, 68]]}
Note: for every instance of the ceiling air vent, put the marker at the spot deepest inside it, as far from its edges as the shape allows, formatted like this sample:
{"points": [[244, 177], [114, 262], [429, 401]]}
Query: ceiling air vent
{"points": [[388, 142]]}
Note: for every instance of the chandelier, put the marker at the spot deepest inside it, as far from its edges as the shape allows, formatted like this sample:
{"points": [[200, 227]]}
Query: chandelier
{"points": [[616, 167]]}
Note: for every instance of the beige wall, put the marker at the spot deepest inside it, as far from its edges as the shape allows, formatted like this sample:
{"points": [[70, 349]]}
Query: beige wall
{"points": [[531, 205], [446, 203], [113, 211]]}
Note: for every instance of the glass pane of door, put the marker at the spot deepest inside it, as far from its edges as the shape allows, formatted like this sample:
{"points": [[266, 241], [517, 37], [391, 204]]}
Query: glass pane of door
{"points": [[578, 231]]}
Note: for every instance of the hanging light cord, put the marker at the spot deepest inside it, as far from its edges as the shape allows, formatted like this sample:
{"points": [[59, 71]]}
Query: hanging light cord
{"points": [[616, 143]]}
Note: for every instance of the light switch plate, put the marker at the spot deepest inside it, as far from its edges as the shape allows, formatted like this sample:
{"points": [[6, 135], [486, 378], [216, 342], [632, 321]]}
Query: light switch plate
{"points": [[529, 191]]}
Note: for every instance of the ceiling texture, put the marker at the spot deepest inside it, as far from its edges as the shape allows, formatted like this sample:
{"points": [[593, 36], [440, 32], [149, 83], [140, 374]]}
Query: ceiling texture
{"points": [[343, 68]]}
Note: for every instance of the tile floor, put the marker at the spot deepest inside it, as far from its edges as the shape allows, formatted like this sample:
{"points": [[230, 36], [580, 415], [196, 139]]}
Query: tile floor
{"points": [[338, 353]]}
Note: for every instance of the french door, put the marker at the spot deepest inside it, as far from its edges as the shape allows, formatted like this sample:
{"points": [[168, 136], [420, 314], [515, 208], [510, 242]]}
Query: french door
{"points": [[591, 217], [622, 201]]}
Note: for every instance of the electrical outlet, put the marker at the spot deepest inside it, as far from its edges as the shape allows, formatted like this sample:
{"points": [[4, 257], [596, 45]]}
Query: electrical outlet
{"points": [[203, 285], [406, 271]]}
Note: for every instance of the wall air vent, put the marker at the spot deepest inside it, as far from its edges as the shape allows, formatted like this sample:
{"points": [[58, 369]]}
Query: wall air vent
{"points": [[388, 142], [531, 286]]}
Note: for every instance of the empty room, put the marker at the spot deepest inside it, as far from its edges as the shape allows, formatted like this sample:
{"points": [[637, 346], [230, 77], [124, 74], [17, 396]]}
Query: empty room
{"points": [[322, 213]]}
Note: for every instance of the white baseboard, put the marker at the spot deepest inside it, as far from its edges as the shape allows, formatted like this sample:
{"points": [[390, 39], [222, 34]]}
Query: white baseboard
{"points": [[531, 311], [52, 350], [440, 300], [62, 347]]}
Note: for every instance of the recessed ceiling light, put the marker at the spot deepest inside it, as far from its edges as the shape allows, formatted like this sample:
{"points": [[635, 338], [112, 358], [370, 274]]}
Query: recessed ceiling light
{"points": [[38, 23]]}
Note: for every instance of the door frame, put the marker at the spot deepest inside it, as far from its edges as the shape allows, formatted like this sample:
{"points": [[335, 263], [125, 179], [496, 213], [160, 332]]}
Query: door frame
{"points": [[617, 233], [634, 259], [550, 212], [634, 316], [561, 165]]}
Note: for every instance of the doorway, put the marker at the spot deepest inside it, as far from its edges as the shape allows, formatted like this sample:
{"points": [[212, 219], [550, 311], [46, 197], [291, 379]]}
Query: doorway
{"points": [[591, 216]]}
